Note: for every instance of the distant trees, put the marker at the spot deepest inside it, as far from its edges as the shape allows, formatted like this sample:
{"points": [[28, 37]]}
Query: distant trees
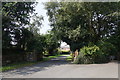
{"points": [[52, 43]]}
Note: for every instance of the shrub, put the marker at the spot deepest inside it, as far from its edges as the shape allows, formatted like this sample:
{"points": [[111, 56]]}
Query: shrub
{"points": [[56, 51], [90, 54], [107, 48]]}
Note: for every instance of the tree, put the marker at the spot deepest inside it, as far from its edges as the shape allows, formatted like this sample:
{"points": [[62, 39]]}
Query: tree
{"points": [[37, 41], [15, 16], [77, 24], [35, 24], [52, 43]]}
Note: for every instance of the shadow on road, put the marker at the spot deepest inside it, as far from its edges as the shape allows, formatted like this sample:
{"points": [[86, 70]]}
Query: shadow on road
{"points": [[61, 60]]}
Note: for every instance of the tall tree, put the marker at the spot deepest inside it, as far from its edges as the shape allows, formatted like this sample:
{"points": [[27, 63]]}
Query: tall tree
{"points": [[84, 22], [15, 16]]}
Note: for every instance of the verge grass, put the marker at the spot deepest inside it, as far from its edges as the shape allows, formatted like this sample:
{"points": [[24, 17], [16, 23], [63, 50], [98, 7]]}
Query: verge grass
{"points": [[17, 65], [24, 64], [69, 58]]}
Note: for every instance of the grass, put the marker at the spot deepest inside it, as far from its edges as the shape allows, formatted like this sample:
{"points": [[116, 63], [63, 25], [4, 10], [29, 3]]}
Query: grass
{"points": [[54, 56], [49, 57], [65, 50], [69, 58], [17, 65], [24, 64]]}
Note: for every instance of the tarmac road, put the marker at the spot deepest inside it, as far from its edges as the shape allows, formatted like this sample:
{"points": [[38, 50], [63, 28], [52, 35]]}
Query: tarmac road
{"points": [[60, 68]]}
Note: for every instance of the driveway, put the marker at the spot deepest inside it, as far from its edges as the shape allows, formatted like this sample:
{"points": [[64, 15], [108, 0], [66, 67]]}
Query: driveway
{"points": [[60, 68]]}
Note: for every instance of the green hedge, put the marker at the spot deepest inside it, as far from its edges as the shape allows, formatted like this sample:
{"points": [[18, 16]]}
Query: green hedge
{"points": [[91, 54]]}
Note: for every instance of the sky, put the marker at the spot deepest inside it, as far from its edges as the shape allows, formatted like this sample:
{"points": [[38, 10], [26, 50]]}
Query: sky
{"points": [[45, 27], [41, 11]]}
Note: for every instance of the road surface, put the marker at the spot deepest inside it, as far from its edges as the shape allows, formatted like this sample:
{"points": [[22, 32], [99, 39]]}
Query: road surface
{"points": [[60, 68]]}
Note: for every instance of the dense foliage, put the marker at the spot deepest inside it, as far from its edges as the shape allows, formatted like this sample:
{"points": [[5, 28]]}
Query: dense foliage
{"points": [[89, 54], [15, 16], [79, 24], [21, 32], [89, 27], [96, 53]]}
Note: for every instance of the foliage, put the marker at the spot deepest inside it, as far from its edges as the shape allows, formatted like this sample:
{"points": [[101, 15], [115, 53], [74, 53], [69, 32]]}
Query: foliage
{"points": [[36, 23], [107, 48], [21, 30], [85, 26], [91, 54], [52, 43], [37, 44], [89, 51], [16, 15], [77, 24]]}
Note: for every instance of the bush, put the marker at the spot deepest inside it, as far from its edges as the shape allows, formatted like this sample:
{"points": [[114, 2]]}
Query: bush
{"points": [[108, 48], [90, 54], [56, 51]]}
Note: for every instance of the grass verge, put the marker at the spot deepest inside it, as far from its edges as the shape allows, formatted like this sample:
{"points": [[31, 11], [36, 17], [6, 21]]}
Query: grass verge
{"points": [[49, 57], [24, 64], [17, 65], [69, 58]]}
